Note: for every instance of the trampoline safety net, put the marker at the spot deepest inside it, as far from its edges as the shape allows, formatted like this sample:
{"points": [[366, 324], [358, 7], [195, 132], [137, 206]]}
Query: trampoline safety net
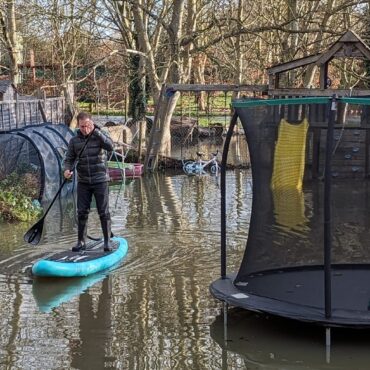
{"points": [[291, 263], [287, 214]]}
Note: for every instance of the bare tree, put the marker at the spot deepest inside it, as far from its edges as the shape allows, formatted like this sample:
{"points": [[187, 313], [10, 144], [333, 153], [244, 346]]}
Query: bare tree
{"points": [[157, 34], [176, 41], [9, 38]]}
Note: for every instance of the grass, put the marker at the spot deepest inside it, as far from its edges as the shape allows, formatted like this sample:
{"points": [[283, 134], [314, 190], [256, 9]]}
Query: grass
{"points": [[217, 108]]}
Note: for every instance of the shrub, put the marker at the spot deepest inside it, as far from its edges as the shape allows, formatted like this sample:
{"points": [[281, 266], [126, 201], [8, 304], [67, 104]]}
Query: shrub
{"points": [[17, 194]]}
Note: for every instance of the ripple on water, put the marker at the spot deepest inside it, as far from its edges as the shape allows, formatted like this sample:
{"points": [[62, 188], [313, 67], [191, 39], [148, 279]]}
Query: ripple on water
{"points": [[154, 310]]}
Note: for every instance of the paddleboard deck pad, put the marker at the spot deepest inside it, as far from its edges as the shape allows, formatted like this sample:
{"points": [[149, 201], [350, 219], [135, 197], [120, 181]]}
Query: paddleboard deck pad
{"points": [[89, 261]]}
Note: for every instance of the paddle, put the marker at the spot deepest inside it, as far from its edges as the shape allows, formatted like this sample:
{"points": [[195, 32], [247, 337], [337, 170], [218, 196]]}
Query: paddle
{"points": [[33, 235]]}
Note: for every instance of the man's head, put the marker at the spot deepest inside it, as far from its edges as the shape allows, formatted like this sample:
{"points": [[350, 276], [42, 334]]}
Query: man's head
{"points": [[85, 123]]}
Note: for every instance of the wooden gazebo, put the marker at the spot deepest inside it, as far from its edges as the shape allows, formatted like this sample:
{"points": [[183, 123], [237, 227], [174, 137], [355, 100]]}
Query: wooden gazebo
{"points": [[356, 137], [349, 45]]}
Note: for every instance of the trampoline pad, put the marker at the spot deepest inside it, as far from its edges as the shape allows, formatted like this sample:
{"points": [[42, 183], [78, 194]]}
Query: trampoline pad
{"points": [[299, 294]]}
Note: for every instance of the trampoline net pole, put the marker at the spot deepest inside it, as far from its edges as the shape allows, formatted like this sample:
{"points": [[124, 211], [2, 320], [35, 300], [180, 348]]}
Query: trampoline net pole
{"points": [[327, 206], [223, 193]]}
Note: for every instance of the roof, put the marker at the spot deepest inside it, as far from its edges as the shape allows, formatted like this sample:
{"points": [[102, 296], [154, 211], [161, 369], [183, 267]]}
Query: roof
{"points": [[348, 45]]}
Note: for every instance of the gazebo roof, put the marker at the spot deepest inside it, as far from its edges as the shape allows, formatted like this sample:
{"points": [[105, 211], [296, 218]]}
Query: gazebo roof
{"points": [[349, 45]]}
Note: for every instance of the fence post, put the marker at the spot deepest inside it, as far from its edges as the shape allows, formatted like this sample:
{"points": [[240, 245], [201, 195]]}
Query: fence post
{"points": [[142, 132], [16, 110], [42, 111]]}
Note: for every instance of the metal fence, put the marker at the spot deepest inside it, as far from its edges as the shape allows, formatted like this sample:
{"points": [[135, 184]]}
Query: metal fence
{"points": [[200, 122]]}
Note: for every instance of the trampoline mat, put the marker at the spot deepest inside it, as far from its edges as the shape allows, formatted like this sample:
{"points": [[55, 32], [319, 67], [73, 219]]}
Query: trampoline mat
{"points": [[299, 294]]}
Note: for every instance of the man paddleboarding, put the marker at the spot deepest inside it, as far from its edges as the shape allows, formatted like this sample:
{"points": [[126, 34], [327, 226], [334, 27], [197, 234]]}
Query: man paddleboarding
{"points": [[92, 176]]}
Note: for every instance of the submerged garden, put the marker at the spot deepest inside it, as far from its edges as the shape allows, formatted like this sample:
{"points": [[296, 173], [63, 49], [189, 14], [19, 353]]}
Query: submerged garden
{"points": [[193, 95]]}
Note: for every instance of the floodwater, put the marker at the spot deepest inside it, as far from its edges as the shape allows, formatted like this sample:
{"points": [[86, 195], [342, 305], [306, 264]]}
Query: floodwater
{"points": [[155, 310]]}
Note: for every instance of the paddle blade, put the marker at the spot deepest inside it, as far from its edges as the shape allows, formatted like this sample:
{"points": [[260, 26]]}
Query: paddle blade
{"points": [[33, 235]]}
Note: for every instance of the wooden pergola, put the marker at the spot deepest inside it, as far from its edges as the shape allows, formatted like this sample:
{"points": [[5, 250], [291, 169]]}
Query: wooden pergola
{"points": [[349, 45]]}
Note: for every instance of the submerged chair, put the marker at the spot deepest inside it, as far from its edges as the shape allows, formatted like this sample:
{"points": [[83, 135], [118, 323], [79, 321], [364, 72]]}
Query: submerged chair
{"points": [[307, 256]]}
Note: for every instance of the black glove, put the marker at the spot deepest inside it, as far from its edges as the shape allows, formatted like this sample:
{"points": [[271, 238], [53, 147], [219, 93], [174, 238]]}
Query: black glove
{"points": [[98, 134]]}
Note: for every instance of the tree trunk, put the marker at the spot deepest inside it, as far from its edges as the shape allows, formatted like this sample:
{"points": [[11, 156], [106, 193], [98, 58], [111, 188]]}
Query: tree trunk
{"points": [[137, 88], [160, 139], [160, 135], [366, 38], [292, 16], [68, 91], [199, 79], [145, 46], [166, 110], [15, 47], [9, 33], [239, 52]]}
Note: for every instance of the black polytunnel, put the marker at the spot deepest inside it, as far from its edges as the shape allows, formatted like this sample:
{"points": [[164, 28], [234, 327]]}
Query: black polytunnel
{"points": [[37, 151]]}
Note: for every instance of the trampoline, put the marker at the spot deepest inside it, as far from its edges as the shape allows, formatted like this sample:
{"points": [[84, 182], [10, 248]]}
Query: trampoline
{"points": [[307, 255], [36, 151]]}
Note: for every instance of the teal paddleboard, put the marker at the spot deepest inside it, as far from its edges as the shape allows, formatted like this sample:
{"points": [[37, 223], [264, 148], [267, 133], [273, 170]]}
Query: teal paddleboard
{"points": [[84, 263]]}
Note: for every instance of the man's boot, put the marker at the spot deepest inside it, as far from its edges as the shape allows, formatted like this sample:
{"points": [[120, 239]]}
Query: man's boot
{"points": [[105, 225], [82, 232]]}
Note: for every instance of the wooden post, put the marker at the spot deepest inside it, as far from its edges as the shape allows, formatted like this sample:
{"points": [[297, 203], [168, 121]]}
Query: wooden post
{"points": [[142, 131], [324, 76], [367, 143], [42, 111], [16, 110]]}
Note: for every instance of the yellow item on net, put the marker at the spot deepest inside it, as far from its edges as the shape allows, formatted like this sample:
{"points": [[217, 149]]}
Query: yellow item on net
{"points": [[289, 159], [287, 177]]}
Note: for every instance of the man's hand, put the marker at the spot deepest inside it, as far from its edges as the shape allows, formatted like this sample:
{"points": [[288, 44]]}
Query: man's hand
{"points": [[68, 174]]}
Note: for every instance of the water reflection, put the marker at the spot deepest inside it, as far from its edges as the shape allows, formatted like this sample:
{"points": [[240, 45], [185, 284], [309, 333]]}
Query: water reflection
{"points": [[50, 293], [263, 342], [154, 311]]}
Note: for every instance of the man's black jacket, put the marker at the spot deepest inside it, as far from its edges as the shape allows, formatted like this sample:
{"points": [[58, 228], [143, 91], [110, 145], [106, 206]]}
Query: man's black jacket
{"points": [[91, 166]]}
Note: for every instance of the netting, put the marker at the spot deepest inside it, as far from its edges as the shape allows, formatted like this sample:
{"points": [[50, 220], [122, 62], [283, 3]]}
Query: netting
{"points": [[20, 158], [287, 216], [307, 254], [36, 152]]}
